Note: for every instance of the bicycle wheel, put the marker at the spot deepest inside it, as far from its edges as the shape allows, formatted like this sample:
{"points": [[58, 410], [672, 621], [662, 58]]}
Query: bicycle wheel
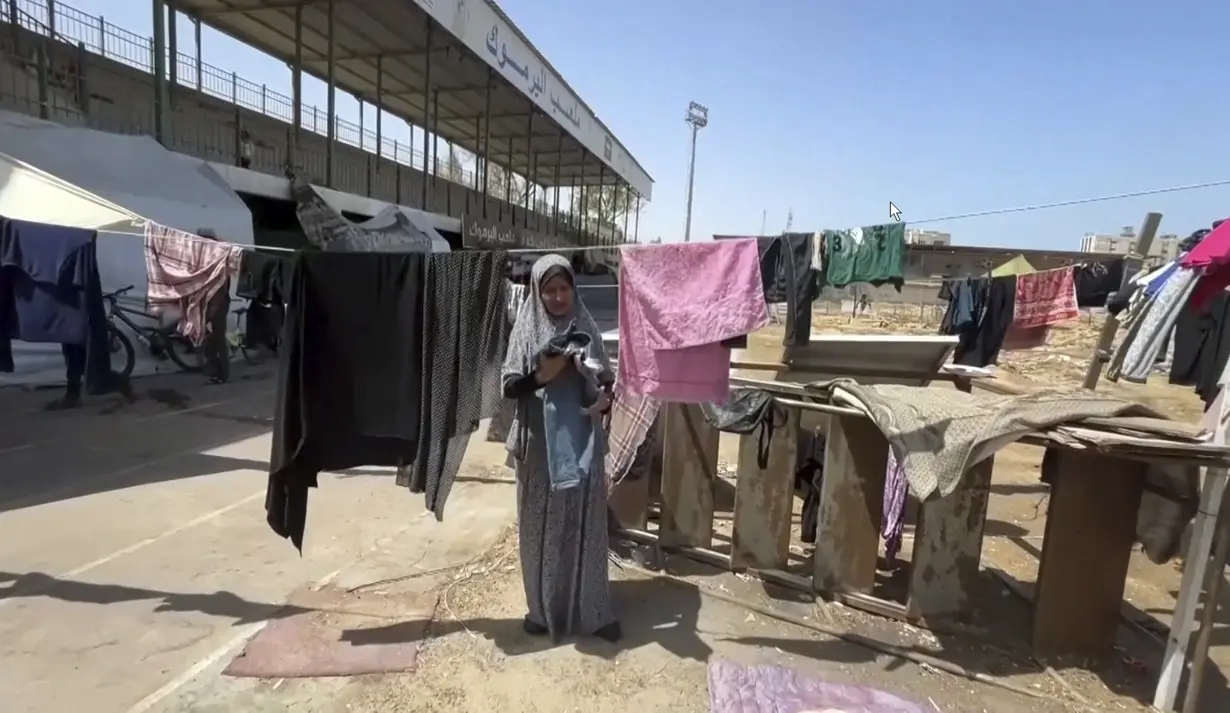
{"points": [[118, 343], [187, 357], [253, 355]]}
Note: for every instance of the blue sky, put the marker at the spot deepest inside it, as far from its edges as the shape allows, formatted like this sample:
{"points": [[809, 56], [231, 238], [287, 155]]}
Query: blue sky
{"points": [[833, 109]]}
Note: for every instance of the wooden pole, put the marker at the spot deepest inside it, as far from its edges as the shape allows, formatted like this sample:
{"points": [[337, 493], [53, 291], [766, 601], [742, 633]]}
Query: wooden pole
{"points": [[1140, 250]]}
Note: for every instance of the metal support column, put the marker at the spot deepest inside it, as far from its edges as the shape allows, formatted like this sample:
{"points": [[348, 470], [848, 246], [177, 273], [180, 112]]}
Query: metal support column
{"points": [[508, 186], [172, 49], [379, 112], [636, 236], [43, 72], [196, 40], [599, 221], [367, 164], [627, 209], [583, 203], [573, 208], [559, 155], [486, 134], [51, 20], [435, 144], [426, 108], [331, 118], [529, 169], [296, 81], [160, 71]]}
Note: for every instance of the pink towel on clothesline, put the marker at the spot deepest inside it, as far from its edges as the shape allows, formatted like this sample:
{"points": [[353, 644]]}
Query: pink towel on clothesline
{"points": [[677, 302], [1045, 298]]}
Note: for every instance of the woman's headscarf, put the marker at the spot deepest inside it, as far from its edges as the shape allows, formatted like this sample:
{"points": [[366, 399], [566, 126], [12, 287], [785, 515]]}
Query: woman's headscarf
{"points": [[535, 326]]}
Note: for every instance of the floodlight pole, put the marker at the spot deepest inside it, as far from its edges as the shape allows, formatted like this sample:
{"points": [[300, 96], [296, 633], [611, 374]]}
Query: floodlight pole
{"points": [[697, 118]]}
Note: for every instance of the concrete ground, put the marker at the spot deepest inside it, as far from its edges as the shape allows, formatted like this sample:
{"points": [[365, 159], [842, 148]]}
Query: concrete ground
{"points": [[135, 563], [134, 556]]}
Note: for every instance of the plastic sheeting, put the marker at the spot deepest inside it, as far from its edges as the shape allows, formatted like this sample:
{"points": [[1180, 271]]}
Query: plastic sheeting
{"points": [[392, 230], [91, 179]]}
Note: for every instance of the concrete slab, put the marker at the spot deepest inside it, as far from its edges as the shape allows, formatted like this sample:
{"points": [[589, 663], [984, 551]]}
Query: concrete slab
{"points": [[135, 559]]}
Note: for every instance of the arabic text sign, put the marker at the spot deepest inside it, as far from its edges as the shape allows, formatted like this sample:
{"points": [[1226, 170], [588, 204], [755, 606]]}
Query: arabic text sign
{"points": [[476, 24], [479, 234]]}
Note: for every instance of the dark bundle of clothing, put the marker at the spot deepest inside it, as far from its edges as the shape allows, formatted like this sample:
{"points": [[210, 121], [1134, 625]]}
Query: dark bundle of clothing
{"points": [[788, 278], [264, 280], [50, 292], [1202, 346], [748, 410], [1096, 281], [386, 360], [980, 312]]}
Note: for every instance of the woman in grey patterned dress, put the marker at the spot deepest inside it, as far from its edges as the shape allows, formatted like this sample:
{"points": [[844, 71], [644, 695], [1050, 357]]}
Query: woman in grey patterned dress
{"points": [[563, 532]]}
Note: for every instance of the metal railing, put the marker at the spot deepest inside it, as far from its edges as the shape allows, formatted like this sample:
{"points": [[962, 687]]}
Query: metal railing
{"points": [[94, 34], [117, 44]]}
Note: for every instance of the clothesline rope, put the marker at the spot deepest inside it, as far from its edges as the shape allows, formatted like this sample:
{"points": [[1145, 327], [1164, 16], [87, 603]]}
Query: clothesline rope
{"points": [[1076, 201]]}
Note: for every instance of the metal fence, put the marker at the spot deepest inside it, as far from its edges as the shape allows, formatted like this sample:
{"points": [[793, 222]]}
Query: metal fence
{"points": [[68, 24], [95, 35]]}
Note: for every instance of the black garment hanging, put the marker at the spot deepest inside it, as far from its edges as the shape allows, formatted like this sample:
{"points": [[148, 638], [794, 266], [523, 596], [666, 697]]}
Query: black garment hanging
{"points": [[465, 309], [981, 346], [796, 268], [50, 292], [349, 377], [1096, 281], [787, 276], [263, 281], [745, 411], [1202, 346]]}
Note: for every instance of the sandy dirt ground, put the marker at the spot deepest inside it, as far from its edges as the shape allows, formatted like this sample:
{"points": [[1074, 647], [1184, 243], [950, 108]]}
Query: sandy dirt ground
{"points": [[478, 660], [474, 655]]}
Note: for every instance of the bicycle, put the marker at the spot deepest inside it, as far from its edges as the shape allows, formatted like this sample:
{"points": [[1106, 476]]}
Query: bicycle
{"points": [[253, 354], [162, 341]]}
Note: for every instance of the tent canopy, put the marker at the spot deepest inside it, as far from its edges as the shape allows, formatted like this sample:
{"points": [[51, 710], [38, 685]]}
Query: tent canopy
{"points": [[1016, 266]]}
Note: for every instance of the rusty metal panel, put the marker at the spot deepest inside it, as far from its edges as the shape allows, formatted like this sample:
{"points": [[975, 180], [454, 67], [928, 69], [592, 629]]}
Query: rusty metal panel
{"points": [[688, 473], [764, 497], [851, 506], [948, 546]]}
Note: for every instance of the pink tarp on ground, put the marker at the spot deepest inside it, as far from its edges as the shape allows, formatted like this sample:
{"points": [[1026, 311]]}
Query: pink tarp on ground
{"points": [[734, 688]]}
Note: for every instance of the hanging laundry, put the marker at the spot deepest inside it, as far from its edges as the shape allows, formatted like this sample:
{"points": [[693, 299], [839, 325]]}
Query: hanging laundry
{"points": [[789, 277], [497, 430], [1202, 347], [1045, 298], [388, 360], [632, 419], [1212, 255], [1096, 281], [349, 376], [184, 272], [677, 303], [1149, 333], [465, 323], [981, 344], [895, 492], [50, 292], [874, 255], [264, 281], [796, 268]]}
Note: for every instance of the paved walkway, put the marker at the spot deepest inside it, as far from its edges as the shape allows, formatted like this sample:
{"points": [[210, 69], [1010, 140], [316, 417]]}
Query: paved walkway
{"points": [[134, 555]]}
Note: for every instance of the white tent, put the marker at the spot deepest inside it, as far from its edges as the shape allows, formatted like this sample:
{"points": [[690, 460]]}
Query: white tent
{"points": [[107, 182]]}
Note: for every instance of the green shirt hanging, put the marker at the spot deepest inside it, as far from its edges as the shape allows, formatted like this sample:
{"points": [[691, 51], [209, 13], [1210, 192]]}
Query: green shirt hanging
{"points": [[874, 255]]}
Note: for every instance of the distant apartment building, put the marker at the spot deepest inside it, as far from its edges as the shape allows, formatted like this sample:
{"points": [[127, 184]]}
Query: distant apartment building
{"points": [[914, 236], [1163, 249]]}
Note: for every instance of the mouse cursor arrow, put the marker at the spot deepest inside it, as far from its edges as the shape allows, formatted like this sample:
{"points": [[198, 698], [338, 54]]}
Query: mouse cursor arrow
{"points": [[894, 212]]}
